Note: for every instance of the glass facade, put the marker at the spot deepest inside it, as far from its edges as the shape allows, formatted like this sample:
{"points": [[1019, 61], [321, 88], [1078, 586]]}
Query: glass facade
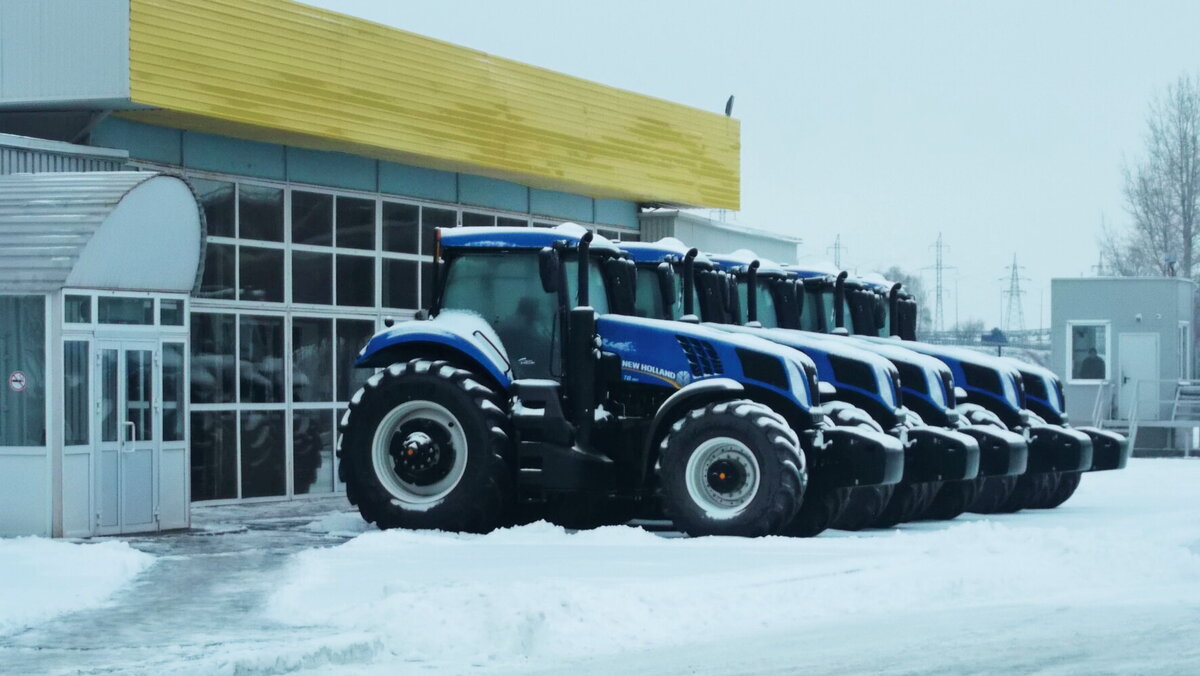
{"points": [[23, 366], [296, 280]]}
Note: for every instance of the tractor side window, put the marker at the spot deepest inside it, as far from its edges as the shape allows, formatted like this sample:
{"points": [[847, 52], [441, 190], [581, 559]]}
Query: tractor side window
{"points": [[649, 302], [765, 309], [506, 290], [597, 291]]}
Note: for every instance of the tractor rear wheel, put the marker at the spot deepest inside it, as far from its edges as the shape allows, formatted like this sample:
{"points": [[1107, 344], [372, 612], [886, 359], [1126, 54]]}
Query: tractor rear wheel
{"points": [[908, 501], [423, 446], [952, 499], [865, 505], [994, 491], [1030, 491], [1067, 483], [731, 468]]}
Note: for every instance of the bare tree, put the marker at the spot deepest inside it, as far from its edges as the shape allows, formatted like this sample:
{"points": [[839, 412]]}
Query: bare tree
{"points": [[1162, 191]]}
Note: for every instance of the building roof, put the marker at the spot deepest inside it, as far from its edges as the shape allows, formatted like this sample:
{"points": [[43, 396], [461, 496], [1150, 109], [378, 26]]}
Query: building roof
{"points": [[108, 230], [282, 72]]}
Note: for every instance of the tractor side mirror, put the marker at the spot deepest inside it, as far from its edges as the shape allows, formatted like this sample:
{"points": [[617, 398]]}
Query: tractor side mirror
{"points": [[667, 286], [549, 265]]}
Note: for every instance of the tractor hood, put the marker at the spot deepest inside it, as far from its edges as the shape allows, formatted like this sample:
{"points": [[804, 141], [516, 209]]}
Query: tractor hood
{"points": [[938, 376], [659, 352]]}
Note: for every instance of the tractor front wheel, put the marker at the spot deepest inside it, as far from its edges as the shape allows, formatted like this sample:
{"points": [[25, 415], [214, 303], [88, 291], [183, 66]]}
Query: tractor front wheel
{"points": [[731, 468]]}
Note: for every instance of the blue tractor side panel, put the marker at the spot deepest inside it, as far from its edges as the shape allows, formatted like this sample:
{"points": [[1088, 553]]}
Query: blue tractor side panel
{"points": [[672, 355], [463, 331], [955, 358], [902, 355]]}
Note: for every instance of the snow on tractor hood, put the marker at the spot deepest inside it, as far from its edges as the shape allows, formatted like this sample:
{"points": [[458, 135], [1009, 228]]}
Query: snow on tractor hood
{"points": [[521, 238], [741, 259], [808, 269]]}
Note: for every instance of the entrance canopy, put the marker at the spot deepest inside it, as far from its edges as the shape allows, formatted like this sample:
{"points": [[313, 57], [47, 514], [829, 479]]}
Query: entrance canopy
{"points": [[135, 231]]}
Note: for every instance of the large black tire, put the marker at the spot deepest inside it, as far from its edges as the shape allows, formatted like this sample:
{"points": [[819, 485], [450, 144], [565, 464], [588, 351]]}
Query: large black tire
{"points": [[994, 491], [401, 457], [952, 499], [1067, 483], [708, 463], [865, 505], [822, 506], [908, 501], [1031, 490]]}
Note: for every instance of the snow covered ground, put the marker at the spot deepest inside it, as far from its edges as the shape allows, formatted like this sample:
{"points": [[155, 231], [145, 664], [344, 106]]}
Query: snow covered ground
{"points": [[1110, 582]]}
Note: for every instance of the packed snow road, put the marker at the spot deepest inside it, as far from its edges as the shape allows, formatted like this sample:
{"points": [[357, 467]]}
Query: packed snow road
{"points": [[1110, 582]]}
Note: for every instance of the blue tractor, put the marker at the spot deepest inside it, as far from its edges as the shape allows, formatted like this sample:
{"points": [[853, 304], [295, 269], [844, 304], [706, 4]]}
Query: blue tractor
{"points": [[863, 388], [993, 392], [529, 387], [931, 488]]}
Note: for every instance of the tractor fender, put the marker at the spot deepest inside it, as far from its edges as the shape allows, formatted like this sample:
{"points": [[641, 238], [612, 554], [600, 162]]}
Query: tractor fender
{"points": [[695, 395], [464, 338]]}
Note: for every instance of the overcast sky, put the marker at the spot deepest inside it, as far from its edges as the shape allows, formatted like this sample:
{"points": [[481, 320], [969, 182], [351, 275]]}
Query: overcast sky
{"points": [[1003, 126]]}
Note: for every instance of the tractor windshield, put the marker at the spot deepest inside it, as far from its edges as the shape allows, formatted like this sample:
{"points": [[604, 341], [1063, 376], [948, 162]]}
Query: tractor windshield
{"points": [[649, 302], [817, 313], [767, 313], [506, 290], [597, 292]]}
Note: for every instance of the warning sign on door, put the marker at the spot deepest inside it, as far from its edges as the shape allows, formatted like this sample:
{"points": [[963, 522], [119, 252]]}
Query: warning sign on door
{"points": [[17, 381]]}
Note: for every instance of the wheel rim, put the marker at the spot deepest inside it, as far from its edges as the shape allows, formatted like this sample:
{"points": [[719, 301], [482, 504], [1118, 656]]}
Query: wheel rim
{"points": [[419, 453], [722, 477]]}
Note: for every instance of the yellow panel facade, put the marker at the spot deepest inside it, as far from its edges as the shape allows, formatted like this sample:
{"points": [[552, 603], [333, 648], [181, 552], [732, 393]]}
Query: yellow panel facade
{"points": [[279, 71]]}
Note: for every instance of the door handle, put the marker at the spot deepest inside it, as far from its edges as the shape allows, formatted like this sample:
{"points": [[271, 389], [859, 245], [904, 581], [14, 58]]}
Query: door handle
{"points": [[125, 440]]}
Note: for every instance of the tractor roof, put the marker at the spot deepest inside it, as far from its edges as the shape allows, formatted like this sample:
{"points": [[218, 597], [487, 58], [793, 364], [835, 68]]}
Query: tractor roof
{"points": [[665, 249], [521, 238], [741, 259], [813, 269]]}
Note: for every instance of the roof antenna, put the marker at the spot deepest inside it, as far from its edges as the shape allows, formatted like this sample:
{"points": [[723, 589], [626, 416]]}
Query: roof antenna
{"points": [[729, 107]]}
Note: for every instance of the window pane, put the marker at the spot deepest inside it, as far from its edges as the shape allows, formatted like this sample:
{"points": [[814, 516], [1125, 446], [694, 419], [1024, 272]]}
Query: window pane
{"points": [[172, 396], [114, 310], [108, 395], [427, 285], [75, 392], [512, 222], [1089, 352], [139, 394], [263, 454], [431, 220], [214, 455], [472, 220], [214, 358], [312, 448], [312, 359], [218, 280], [170, 312], [399, 283], [356, 281], [400, 227], [260, 274], [217, 199], [356, 223], [352, 335], [312, 218], [261, 363], [77, 309], [260, 213], [312, 278], [23, 365]]}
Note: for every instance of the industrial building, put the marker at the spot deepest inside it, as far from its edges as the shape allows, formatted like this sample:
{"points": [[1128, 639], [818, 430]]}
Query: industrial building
{"points": [[1123, 347], [209, 206]]}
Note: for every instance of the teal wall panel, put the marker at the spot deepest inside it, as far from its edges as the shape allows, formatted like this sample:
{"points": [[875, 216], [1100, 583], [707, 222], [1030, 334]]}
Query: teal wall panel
{"points": [[142, 141], [494, 193], [431, 184], [560, 205], [338, 170], [234, 156], [617, 212]]}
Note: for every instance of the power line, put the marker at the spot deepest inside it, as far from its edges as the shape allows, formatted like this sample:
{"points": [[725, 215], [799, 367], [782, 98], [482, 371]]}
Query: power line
{"points": [[939, 289], [837, 249]]}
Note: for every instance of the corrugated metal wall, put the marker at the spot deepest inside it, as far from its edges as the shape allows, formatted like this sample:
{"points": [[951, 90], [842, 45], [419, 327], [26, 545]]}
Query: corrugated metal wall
{"points": [[283, 72], [24, 161]]}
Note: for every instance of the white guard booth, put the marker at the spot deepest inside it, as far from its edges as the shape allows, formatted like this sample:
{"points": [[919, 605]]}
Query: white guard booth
{"points": [[95, 273]]}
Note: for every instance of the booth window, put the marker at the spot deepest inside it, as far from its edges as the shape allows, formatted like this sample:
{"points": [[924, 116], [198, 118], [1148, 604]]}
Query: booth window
{"points": [[23, 366], [1088, 350]]}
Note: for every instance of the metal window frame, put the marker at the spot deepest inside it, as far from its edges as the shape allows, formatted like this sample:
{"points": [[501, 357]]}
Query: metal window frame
{"points": [[1070, 351]]}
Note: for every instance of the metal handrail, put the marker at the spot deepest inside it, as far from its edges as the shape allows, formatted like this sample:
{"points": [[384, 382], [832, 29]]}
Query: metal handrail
{"points": [[1157, 420]]}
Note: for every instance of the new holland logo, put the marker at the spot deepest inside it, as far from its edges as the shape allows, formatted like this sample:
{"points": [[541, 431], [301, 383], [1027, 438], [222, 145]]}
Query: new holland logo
{"points": [[676, 379]]}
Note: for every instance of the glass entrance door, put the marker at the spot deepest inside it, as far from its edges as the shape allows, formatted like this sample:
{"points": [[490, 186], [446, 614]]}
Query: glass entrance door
{"points": [[129, 421]]}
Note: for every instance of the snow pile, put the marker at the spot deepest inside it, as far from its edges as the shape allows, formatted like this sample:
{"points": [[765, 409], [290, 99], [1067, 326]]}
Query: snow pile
{"points": [[41, 578]]}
